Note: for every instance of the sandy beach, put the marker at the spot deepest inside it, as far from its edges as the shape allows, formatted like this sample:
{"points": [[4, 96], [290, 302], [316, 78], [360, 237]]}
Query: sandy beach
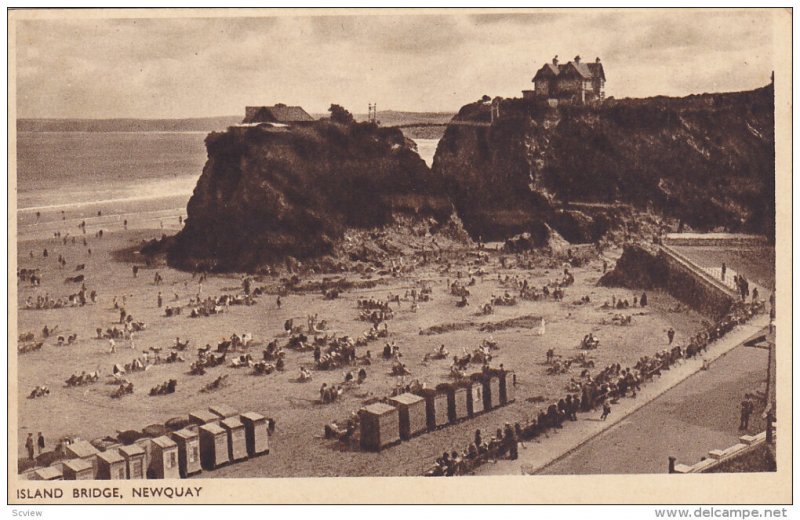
{"points": [[298, 446]]}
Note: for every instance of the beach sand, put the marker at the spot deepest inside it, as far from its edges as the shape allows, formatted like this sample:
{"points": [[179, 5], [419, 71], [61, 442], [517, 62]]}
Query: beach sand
{"points": [[298, 448]]}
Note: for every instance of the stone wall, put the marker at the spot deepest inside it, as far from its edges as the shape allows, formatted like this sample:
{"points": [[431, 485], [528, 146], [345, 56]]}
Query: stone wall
{"points": [[695, 287]]}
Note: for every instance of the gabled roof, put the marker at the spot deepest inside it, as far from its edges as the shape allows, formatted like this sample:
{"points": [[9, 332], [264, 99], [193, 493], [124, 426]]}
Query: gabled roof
{"points": [[279, 113], [547, 71], [584, 70], [597, 70]]}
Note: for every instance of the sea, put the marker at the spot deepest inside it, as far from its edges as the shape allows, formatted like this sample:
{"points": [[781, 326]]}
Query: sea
{"points": [[79, 175]]}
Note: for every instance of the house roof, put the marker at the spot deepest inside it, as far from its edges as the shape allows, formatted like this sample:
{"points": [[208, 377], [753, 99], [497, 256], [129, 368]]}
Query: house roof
{"points": [[279, 113], [585, 70]]}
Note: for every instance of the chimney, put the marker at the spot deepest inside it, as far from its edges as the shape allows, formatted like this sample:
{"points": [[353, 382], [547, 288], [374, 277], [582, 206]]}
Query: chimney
{"points": [[577, 59], [555, 59], [597, 60]]}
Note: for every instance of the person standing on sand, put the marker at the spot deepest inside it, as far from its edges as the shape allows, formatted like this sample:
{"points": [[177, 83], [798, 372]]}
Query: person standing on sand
{"points": [[133, 347], [40, 442], [29, 446], [671, 335], [160, 299], [278, 301], [113, 345]]}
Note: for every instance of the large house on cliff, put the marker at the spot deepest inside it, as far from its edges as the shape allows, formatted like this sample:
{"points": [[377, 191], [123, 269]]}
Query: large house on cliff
{"points": [[575, 81], [279, 113]]}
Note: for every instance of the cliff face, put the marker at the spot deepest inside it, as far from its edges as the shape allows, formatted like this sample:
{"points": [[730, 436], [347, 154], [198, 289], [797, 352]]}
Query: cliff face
{"points": [[707, 160], [269, 193]]}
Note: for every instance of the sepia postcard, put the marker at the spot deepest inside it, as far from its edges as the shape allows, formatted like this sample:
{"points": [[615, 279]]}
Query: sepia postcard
{"points": [[487, 255]]}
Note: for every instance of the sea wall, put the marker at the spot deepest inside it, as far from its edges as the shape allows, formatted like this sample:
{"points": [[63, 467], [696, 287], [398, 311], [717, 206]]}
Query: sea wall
{"points": [[694, 286], [640, 268]]}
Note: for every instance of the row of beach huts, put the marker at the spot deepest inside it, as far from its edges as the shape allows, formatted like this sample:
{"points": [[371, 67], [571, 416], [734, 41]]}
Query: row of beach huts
{"points": [[407, 415], [210, 439]]}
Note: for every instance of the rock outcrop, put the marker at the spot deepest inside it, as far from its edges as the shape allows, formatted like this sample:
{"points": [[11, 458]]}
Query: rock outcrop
{"points": [[268, 193], [707, 160]]}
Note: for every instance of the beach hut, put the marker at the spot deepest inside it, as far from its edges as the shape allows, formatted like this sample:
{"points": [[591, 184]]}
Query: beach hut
{"points": [[237, 443], [77, 469], [491, 392], [413, 416], [380, 426], [457, 403], [475, 402], [256, 433], [85, 451], [111, 465], [135, 461], [223, 411], [507, 380], [163, 458], [188, 442], [49, 473], [201, 417], [213, 446], [435, 408]]}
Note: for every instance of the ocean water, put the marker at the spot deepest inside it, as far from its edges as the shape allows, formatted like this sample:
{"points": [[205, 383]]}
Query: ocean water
{"points": [[70, 170], [74, 171], [427, 149]]}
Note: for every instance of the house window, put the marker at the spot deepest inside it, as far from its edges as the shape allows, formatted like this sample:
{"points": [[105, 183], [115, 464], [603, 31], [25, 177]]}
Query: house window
{"points": [[194, 454], [136, 468], [171, 463], [121, 473]]}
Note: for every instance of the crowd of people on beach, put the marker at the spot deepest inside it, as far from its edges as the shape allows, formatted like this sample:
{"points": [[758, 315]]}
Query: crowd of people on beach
{"points": [[603, 390]]}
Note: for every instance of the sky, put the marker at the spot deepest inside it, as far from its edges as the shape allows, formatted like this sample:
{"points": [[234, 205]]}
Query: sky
{"points": [[197, 67]]}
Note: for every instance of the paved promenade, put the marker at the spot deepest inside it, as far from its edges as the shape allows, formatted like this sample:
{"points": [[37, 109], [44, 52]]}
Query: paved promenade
{"points": [[559, 444]]}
